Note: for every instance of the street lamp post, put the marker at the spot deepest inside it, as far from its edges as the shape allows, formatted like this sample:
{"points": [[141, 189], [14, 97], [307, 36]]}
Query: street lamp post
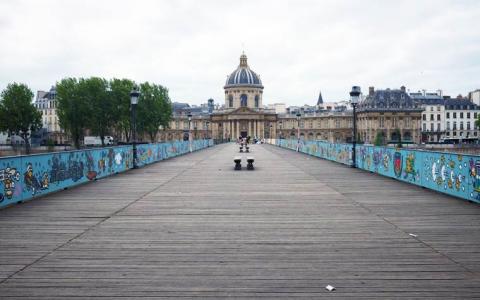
{"points": [[207, 123], [354, 96], [134, 94], [270, 133], [280, 135], [189, 131], [298, 131]]}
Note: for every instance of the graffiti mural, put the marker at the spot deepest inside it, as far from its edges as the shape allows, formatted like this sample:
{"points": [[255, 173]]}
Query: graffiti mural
{"points": [[450, 173], [25, 177], [9, 177]]}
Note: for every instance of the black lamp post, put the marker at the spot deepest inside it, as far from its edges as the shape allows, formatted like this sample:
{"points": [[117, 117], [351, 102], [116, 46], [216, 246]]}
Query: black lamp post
{"points": [[207, 123], [189, 131], [298, 131], [354, 96], [134, 94], [280, 135]]}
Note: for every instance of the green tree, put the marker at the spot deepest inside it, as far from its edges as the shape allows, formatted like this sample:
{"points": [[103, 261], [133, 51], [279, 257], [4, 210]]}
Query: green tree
{"points": [[73, 108], [120, 92], [101, 118], [154, 109], [399, 135], [379, 139], [18, 115]]}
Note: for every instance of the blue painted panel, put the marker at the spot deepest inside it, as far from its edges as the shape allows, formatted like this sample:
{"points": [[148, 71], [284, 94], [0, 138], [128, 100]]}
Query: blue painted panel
{"points": [[454, 174], [25, 177]]}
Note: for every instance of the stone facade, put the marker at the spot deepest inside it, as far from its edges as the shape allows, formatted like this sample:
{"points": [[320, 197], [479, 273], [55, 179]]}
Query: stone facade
{"points": [[392, 115]]}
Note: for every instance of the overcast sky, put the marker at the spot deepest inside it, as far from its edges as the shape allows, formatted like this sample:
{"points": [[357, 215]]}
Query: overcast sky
{"points": [[298, 47]]}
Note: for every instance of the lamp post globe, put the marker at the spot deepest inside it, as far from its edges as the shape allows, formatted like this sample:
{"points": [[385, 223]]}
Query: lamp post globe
{"points": [[134, 95], [354, 98]]}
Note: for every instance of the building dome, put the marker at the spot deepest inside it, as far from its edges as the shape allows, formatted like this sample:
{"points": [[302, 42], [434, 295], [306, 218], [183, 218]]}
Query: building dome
{"points": [[243, 76]]}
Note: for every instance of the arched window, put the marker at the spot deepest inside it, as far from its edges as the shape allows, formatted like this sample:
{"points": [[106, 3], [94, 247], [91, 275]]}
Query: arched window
{"points": [[256, 101], [243, 100], [230, 101]]}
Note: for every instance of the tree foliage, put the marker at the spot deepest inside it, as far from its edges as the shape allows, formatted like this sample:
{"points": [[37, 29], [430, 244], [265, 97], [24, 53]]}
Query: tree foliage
{"points": [[18, 115], [102, 107], [379, 139], [120, 93], [154, 109], [97, 95], [73, 108]]}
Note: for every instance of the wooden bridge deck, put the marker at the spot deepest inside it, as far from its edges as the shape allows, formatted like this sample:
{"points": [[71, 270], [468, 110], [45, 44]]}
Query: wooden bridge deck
{"points": [[192, 227]]}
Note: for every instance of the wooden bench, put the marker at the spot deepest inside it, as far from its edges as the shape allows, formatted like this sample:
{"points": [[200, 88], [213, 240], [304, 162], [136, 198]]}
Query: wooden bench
{"points": [[238, 162], [250, 161]]}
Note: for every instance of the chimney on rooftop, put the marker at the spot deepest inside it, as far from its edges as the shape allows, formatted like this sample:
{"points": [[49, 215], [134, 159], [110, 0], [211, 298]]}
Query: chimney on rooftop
{"points": [[371, 91], [403, 88]]}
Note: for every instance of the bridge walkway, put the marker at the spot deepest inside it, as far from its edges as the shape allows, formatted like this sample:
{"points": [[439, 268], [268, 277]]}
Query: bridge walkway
{"points": [[192, 227]]}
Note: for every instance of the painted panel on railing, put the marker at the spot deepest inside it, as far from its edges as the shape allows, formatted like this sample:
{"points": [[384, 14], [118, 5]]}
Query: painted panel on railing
{"points": [[25, 177], [11, 176], [150, 153], [450, 173], [337, 152]]}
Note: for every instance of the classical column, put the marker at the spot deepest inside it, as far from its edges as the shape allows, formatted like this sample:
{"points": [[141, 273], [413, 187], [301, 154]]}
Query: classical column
{"points": [[238, 129], [255, 128], [249, 130]]}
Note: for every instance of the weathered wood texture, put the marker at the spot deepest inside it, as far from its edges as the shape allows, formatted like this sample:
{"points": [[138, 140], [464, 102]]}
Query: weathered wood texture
{"points": [[192, 227]]}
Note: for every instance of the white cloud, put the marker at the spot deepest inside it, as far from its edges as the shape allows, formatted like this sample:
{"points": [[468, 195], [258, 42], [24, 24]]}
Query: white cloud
{"points": [[298, 47]]}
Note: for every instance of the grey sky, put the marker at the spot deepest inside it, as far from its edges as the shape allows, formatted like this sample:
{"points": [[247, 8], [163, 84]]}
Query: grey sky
{"points": [[298, 47]]}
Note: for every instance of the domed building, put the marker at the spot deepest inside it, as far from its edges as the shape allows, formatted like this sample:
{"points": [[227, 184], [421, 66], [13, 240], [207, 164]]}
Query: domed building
{"points": [[243, 114]]}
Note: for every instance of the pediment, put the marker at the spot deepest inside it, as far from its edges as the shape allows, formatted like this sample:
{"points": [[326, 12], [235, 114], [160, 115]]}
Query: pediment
{"points": [[243, 111]]}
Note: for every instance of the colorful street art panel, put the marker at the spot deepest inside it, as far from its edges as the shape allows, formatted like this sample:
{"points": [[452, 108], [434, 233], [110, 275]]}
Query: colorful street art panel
{"points": [[11, 174], [25, 177], [336, 152], [450, 173]]}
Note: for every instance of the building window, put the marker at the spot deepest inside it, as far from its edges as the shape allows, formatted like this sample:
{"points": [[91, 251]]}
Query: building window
{"points": [[454, 115], [454, 125], [448, 125], [468, 125], [448, 115], [474, 115], [461, 125], [431, 117], [424, 127], [243, 100], [431, 126], [230, 101], [256, 101], [438, 108], [424, 117], [438, 126], [468, 115], [438, 117], [461, 115]]}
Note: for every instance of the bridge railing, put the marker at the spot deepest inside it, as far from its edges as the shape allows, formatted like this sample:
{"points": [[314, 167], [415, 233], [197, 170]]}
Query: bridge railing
{"points": [[451, 173], [26, 177]]}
